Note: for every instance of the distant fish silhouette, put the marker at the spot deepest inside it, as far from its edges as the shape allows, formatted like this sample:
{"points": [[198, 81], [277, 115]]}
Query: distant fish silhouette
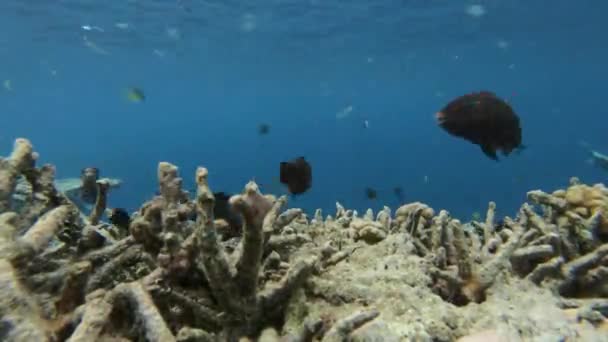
{"points": [[371, 193], [483, 119], [297, 175], [263, 129], [398, 191]]}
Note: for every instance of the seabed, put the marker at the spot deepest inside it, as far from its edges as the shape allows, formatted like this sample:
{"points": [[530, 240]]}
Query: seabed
{"points": [[175, 273]]}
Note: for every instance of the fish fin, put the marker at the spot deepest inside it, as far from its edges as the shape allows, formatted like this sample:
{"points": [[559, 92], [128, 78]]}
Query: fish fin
{"points": [[489, 152]]}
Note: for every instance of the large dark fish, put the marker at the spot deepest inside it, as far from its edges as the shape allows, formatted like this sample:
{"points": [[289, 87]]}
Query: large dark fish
{"points": [[485, 120], [297, 175]]}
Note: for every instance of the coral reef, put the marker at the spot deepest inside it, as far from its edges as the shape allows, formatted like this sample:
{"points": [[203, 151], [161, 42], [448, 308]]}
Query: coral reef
{"points": [[417, 275]]}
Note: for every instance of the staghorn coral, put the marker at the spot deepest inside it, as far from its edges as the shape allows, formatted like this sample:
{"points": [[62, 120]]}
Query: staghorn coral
{"points": [[568, 245], [169, 277]]}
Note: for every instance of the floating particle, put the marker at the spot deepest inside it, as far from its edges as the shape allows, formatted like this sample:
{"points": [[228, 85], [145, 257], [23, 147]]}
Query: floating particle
{"points": [[8, 85], [173, 33], [159, 53], [325, 89], [344, 113], [248, 22], [92, 28], [476, 10], [503, 44], [94, 47], [122, 26]]}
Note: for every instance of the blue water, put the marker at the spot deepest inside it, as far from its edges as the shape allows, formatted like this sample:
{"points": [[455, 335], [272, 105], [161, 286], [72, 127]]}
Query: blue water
{"points": [[212, 71]]}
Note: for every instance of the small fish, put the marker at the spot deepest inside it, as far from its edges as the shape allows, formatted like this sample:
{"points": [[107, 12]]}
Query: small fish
{"points": [[8, 85], [88, 190], [371, 193], [135, 95], [297, 175], [263, 129], [120, 218], [485, 120], [398, 191], [365, 124], [600, 160], [91, 28], [223, 210]]}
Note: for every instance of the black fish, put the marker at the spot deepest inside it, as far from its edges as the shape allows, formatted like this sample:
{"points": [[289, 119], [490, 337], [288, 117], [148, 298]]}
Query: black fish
{"points": [[485, 120], [263, 129], [297, 175], [371, 193], [120, 218], [398, 191], [223, 210]]}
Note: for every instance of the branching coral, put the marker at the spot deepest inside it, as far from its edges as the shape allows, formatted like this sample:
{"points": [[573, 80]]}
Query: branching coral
{"points": [[569, 241], [171, 276], [68, 275]]}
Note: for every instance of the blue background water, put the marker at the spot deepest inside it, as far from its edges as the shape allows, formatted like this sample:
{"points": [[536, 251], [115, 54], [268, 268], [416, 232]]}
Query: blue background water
{"points": [[294, 65]]}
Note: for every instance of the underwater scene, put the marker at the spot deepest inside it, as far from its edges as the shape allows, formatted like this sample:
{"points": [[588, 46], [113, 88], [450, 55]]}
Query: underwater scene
{"points": [[303, 170]]}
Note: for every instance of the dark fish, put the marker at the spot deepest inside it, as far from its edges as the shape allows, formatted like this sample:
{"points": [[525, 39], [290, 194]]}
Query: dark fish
{"points": [[223, 210], [263, 129], [297, 175], [485, 120], [398, 191], [371, 193], [120, 218]]}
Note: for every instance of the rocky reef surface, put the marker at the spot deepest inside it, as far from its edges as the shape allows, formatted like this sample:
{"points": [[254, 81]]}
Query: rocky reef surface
{"points": [[172, 274]]}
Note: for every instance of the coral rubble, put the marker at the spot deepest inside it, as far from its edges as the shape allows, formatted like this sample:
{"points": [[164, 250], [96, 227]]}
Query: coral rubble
{"points": [[417, 275]]}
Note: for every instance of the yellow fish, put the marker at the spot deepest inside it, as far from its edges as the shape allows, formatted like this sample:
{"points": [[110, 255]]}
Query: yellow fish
{"points": [[135, 95]]}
